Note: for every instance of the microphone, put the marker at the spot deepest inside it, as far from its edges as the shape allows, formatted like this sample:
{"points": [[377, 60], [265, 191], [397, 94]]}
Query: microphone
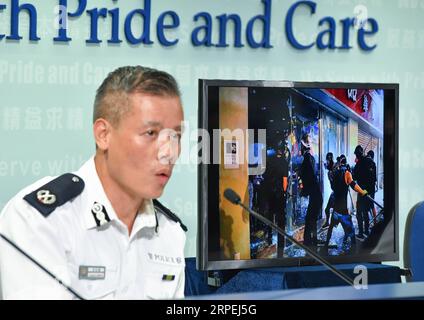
{"points": [[234, 198], [14, 245]]}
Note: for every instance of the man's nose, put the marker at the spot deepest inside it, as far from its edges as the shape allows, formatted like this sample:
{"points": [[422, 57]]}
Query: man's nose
{"points": [[168, 150]]}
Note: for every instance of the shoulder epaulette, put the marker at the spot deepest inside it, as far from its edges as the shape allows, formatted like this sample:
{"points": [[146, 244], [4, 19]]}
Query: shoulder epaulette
{"points": [[55, 193], [160, 207]]}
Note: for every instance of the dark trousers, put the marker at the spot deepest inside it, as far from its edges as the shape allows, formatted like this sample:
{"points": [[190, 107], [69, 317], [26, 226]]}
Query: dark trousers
{"points": [[273, 205], [363, 206], [346, 221], [330, 204], [312, 214]]}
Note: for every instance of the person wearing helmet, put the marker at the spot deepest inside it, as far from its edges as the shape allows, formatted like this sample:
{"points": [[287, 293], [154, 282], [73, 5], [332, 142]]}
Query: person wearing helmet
{"points": [[370, 154], [274, 188], [310, 187], [342, 180], [329, 165], [365, 175]]}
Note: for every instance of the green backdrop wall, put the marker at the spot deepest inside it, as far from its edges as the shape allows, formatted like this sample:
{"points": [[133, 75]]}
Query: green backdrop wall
{"points": [[47, 88]]}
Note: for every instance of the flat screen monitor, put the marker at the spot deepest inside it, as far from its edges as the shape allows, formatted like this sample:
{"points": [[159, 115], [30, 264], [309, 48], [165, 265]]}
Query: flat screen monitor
{"points": [[320, 160]]}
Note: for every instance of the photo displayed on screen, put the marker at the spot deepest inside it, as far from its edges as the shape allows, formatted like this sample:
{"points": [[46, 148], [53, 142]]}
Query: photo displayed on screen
{"points": [[323, 177]]}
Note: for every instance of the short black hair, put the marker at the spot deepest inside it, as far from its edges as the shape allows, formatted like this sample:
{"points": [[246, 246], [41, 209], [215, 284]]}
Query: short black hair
{"points": [[111, 101]]}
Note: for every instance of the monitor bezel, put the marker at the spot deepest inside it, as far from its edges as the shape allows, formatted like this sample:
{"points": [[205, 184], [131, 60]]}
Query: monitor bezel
{"points": [[391, 140]]}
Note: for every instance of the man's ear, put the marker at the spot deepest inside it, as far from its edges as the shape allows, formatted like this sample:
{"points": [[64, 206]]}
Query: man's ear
{"points": [[102, 130]]}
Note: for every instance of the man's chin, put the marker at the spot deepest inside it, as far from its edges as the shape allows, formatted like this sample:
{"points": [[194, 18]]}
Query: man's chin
{"points": [[154, 194]]}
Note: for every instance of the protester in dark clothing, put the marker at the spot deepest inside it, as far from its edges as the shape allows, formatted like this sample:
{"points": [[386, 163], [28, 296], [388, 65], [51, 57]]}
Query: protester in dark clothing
{"points": [[370, 155], [310, 187], [342, 179], [329, 165], [273, 190], [365, 174]]}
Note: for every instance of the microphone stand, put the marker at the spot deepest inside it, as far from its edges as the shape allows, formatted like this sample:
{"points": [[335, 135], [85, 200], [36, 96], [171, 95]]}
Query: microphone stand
{"points": [[41, 267], [309, 251]]}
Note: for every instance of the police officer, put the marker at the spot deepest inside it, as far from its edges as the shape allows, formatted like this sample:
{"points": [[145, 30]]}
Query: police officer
{"points": [[101, 229], [342, 179], [310, 187], [329, 165], [365, 174]]}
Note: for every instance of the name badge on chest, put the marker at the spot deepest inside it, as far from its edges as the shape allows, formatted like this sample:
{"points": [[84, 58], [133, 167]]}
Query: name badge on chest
{"points": [[92, 273]]}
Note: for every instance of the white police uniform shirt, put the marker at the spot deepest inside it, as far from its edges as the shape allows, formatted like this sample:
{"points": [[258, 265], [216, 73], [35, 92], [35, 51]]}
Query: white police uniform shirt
{"points": [[84, 244]]}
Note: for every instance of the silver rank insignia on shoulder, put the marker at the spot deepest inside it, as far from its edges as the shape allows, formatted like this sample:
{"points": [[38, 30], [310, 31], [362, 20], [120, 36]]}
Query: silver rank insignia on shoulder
{"points": [[100, 214], [46, 197], [55, 193]]}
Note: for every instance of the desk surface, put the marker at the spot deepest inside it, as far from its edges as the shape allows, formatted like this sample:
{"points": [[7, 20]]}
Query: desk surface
{"points": [[413, 290]]}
